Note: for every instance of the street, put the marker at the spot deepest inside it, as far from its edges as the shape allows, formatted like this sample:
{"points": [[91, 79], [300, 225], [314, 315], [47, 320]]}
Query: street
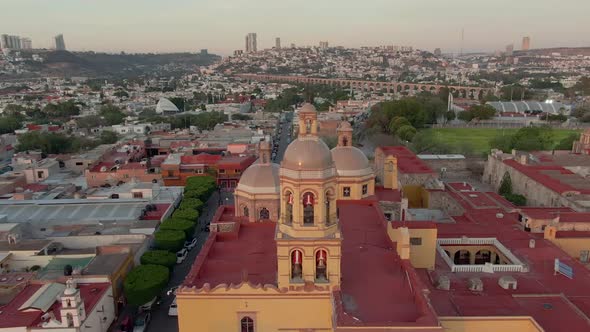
{"points": [[160, 319]]}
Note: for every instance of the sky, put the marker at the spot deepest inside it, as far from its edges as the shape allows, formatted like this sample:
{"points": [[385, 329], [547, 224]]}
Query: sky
{"points": [[221, 25]]}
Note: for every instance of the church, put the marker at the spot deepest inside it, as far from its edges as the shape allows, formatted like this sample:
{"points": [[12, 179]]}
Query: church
{"points": [[305, 248], [329, 242]]}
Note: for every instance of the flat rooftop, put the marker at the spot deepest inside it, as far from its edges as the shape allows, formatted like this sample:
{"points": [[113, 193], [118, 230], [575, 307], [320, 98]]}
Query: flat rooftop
{"points": [[226, 258], [554, 301], [75, 211], [375, 288], [407, 161]]}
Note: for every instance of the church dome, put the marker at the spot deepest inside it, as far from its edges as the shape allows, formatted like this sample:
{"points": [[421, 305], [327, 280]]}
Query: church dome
{"points": [[350, 161], [307, 153], [260, 179]]}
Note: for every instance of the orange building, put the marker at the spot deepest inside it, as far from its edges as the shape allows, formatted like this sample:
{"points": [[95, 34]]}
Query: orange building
{"points": [[227, 169]]}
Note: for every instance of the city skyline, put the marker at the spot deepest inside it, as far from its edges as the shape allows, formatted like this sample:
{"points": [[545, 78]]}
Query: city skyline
{"points": [[189, 25]]}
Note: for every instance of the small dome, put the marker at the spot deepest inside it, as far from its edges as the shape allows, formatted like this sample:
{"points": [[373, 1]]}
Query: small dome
{"points": [[350, 161], [260, 179], [308, 108], [307, 153]]}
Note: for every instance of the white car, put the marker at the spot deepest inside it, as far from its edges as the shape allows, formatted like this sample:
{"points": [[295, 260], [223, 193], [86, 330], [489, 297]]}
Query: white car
{"points": [[188, 245], [173, 310], [181, 255]]}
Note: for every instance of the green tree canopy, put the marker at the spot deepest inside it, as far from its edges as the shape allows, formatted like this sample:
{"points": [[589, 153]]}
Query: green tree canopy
{"points": [[159, 257], [179, 224], [186, 214], [397, 122], [108, 137], [406, 132], [172, 240], [505, 185], [111, 114], [145, 282], [90, 121]]}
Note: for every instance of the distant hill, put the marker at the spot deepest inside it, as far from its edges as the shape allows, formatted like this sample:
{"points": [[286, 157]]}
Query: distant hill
{"points": [[568, 51], [64, 63]]}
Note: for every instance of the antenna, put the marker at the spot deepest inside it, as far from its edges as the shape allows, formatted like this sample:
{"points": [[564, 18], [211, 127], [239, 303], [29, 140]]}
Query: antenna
{"points": [[462, 40]]}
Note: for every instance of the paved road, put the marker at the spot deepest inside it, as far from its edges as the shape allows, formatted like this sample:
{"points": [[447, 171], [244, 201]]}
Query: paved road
{"points": [[160, 319], [284, 140]]}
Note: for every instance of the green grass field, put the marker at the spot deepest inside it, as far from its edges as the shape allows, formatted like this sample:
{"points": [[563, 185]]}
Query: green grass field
{"points": [[479, 138]]}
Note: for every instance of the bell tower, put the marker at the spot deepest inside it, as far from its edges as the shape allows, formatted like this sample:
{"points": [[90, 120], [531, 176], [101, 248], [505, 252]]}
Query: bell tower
{"points": [[344, 132], [72, 310], [308, 236]]}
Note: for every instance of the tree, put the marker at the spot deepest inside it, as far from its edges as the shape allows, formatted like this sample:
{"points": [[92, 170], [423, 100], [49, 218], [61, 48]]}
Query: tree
{"points": [[108, 137], [10, 123], [502, 142], [112, 114], [121, 94], [191, 204], [505, 185], [90, 121], [398, 122], [450, 115], [516, 199], [171, 240], [429, 141], [241, 117], [177, 224], [159, 257], [145, 282], [186, 214], [406, 132], [567, 142]]}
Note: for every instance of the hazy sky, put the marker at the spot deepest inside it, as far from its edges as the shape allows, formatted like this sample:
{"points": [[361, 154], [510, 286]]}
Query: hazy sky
{"points": [[220, 25]]}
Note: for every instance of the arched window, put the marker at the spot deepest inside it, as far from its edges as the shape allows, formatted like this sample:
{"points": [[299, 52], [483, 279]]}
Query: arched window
{"points": [[289, 208], [246, 211], [247, 324], [308, 126], [321, 262], [297, 265], [264, 214], [483, 256], [462, 257], [308, 209], [344, 141]]}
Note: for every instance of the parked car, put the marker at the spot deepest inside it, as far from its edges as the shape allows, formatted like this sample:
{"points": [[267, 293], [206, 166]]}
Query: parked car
{"points": [[190, 244], [173, 310], [126, 324], [181, 255], [149, 305], [142, 321], [172, 291]]}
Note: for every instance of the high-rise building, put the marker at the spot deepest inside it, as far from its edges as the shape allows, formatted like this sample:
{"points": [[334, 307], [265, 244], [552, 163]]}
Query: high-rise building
{"points": [[204, 51], [11, 42], [437, 52], [277, 43], [251, 43], [60, 44], [526, 43], [323, 45], [509, 49], [26, 43]]}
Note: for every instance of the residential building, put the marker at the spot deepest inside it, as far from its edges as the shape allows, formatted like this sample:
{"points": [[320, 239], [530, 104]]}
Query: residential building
{"points": [[26, 43]]}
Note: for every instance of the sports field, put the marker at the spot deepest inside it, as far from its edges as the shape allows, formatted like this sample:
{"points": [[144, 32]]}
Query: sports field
{"points": [[479, 138]]}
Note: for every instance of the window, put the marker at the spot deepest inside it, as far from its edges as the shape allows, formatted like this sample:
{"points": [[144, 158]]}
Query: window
{"points": [[388, 216], [138, 194], [289, 212], [416, 241], [40, 174], [346, 191], [247, 324], [365, 189], [79, 163], [199, 171], [222, 171], [308, 209], [296, 266], [264, 214], [236, 171], [321, 260], [246, 212]]}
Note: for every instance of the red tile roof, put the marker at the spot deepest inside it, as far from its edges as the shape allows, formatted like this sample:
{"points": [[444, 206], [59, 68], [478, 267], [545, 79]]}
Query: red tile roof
{"points": [[407, 161], [10, 316], [201, 158], [543, 175]]}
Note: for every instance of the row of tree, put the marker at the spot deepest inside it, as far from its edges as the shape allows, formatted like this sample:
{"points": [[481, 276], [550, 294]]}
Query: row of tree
{"points": [[146, 281], [57, 143]]}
